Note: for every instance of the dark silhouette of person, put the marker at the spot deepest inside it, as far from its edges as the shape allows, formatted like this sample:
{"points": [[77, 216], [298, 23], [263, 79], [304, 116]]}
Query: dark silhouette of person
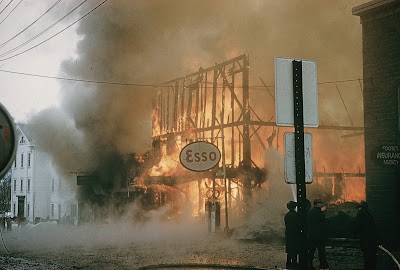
{"points": [[367, 230], [317, 235], [292, 235]]}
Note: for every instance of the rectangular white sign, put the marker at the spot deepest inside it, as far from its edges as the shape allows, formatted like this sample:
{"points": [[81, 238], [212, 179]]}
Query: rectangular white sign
{"points": [[290, 165], [284, 92]]}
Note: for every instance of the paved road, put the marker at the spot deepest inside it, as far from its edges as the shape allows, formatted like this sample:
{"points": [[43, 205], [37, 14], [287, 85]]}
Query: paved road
{"points": [[122, 247]]}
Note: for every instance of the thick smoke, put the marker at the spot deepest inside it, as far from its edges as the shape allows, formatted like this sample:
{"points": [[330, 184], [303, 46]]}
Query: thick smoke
{"points": [[148, 42]]}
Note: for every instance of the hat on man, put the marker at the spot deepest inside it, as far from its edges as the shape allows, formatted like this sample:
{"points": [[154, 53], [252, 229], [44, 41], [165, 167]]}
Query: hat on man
{"points": [[316, 201], [291, 205], [363, 204]]}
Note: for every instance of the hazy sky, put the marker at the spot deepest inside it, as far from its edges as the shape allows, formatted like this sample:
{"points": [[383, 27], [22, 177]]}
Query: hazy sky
{"points": [[25, 95]]}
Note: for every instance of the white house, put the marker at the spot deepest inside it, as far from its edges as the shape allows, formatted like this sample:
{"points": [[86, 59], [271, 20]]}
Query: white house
{"points": [[37, 190]]}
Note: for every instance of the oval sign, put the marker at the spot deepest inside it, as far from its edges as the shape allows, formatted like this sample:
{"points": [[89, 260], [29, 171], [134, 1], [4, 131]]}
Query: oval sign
{"points": [[8, 141], [200, 156]]}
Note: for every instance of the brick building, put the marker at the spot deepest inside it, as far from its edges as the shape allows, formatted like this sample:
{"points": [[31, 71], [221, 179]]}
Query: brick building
{"points": [[380, 21]]}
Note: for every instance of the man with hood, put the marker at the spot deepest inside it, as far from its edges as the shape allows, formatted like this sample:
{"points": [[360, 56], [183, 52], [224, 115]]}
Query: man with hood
{"points": [[317, 235], [292, 235], [367, 230]]}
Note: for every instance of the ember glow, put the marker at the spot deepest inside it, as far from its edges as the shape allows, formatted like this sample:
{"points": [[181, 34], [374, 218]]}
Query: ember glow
{"points": [[165, 167]]}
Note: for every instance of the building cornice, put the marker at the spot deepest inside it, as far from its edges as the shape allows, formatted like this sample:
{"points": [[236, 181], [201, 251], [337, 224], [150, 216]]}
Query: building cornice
{"points": [[358, 10], [376, 9]]}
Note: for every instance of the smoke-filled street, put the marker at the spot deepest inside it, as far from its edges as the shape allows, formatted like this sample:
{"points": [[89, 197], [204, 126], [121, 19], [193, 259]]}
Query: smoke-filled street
{"points": [[125, 246], [163, 143]]}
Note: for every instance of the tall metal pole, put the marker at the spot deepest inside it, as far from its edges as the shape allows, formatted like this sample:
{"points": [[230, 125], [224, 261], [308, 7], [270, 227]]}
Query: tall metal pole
{"points": [[300, 160], [224, 171]]}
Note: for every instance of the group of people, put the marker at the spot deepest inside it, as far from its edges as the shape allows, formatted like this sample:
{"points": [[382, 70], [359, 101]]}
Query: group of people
{"points": [[317, 235]]}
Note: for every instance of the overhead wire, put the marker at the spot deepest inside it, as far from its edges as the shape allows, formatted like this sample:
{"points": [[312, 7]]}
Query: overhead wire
{"points": [[136, 84], [44, 31], [86, 80], [27, 27], [11, 12], [1, 11], [15, 55], [78, 80]]}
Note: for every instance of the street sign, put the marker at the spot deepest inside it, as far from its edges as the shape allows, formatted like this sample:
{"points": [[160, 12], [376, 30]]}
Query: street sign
{"points": [[200, 156], [8, 141], [290, 165], [284, 92]]}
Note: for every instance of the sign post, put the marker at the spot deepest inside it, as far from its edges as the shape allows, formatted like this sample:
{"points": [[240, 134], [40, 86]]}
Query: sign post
{"points": [[202, 156], [298, 108], [299, 159]]}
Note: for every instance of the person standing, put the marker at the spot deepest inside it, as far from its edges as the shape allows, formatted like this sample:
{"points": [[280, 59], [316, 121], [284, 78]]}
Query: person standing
{"points": [[292, 235], [367, 230], [317, 235]]}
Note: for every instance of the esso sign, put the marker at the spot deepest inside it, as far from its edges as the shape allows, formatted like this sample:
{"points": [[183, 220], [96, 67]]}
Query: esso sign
{"points": [[200, 156]]}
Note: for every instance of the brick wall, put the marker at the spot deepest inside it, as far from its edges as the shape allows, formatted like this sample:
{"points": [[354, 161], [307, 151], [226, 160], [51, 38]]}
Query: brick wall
{"points": [[381, 68]]}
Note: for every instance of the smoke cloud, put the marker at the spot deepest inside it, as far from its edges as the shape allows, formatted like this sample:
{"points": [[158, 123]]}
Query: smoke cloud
{"points": [[149, 42]]}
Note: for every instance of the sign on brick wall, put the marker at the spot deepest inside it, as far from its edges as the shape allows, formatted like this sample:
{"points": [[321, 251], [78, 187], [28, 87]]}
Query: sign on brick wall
{"points": [[387, 155]]}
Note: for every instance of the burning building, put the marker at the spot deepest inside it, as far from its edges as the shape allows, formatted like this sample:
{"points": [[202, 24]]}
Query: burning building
{"points": [[214, 105], [101, 124]]}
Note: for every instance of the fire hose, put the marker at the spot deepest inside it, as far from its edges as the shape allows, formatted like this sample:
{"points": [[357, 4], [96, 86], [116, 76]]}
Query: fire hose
{"points": [[390, 255]]}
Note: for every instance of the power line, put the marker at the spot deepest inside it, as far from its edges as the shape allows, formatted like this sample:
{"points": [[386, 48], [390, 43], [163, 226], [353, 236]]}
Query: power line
{"points": [[11, 11], [78, 80], [137, 84], [44, 31], [15, 55], [26, 28], [6, 6]]}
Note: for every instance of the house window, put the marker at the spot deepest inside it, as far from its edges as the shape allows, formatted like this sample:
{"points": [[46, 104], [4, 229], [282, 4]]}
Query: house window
{"points": [[22, 184], [22, 160], [15, 163], [52, 185], [15, 185], [73, 210], [52, 210], [29, 185], [14, 210], [59, 211], [29, 159], [22, 140], [28, 208]]}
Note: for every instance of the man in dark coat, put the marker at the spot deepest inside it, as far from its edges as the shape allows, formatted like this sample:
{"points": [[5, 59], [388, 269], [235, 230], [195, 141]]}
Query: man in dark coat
{"points": [[292, 235], [366, 227], [317, 235]]}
